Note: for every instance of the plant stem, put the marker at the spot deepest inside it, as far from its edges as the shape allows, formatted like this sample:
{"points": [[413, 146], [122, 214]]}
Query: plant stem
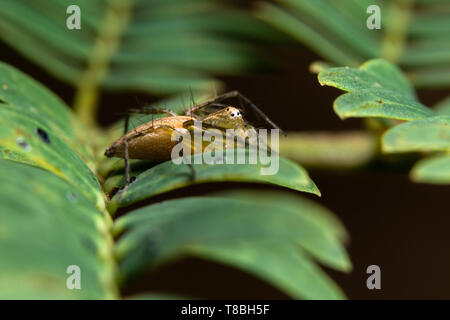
{"points": [[393, 43], [116, 18]]}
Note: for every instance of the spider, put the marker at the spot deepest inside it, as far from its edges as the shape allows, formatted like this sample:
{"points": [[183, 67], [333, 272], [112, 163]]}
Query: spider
{"points": [[153, 140]]}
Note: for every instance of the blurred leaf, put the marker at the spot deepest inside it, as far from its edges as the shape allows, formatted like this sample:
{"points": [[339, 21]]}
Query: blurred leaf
{"points": [[160, 46], [376, 89], [30, 98], [173, 37], [431, 134], [443, 107], [428, 135], [38, 129], [322, 217], [169, 176], [319, 66], [47, 225], [271, 240], [416, 37], [23, 139], [435, 169], [283, 265], [157, 296], [329, 150], [438, 77]]}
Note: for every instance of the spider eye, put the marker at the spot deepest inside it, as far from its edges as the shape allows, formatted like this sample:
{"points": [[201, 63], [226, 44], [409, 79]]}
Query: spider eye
{"points": [[232, 114], [228, 109], [238, 113]]}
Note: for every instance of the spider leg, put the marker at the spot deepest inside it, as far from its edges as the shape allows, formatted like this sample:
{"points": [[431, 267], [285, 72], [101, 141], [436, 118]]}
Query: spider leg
{"points": [[191, 167], [153, 110], [213, 100], [192, 96], [190, 125], [128, 177], [219, 104], [236, 94], [188, 163], [127, 124], [239, 95], [127, 162]]}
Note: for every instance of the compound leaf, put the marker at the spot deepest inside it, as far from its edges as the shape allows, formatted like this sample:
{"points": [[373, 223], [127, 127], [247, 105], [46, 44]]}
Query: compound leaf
{"points": [[443, 107], [30, 98], [376, 89], [430, 134], [158, 46], [413, 36], [434, 169], [23, 139], [243, 231], [47, 225], [169, 176]]}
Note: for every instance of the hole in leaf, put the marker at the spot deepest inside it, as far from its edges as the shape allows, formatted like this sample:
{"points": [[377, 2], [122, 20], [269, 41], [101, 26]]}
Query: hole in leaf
{"points": [[43, 135]]}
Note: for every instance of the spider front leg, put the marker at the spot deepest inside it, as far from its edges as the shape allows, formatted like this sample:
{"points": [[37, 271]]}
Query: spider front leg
{"points": [[128, 178], [190, 166], [239, 95], [188, 163], [235, 94]]}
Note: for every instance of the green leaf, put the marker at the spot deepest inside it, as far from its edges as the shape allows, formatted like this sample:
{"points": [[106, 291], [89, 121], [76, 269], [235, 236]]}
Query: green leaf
{"points": [[414, 37], [47, 225], [283, 265], [30, 98], [434, 78], [169, 176], [296, 28], [333, 30], [157, 296], [21, 139], [270, 239], [329, 150], [443, 107], [322, 217], [376, 89], [435, 169], [431, 134], [154, 46]]}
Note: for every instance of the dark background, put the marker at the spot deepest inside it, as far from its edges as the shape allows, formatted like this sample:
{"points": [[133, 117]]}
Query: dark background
{"points": [[401, 226]]}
